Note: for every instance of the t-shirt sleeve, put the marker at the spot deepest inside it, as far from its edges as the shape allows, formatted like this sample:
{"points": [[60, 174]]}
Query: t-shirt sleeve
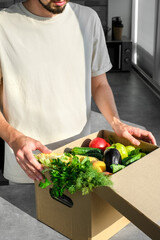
{"points": [[100, 58]]}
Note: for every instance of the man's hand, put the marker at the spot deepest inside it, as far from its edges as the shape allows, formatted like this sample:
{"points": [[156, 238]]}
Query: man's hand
{"points": [[23, 147], [133, 133], [104, 99]]}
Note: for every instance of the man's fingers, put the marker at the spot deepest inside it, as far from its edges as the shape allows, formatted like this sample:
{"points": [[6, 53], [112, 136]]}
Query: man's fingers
{"points": [[143, 135], [23, 147], [42, 148], [30, 165], [33, 165], [27, 170], [31, 159], [128, 136], [148, 137]]}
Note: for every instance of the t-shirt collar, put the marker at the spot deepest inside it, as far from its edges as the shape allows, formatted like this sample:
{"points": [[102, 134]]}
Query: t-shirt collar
{"points": [[55, 18]]}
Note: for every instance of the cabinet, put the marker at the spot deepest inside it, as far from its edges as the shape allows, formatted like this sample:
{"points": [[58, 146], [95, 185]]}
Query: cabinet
{"points": [[120, 53]]}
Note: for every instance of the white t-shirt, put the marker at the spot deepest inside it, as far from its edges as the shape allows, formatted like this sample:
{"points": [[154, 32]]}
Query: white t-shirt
{"points": [[47, 64]]}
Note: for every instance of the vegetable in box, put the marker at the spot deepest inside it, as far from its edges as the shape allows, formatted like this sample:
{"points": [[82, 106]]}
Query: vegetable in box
{"points": [[86, 168]]}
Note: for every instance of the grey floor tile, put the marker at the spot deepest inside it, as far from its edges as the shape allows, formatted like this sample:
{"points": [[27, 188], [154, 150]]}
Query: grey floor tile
{"points": [[17, 225]]}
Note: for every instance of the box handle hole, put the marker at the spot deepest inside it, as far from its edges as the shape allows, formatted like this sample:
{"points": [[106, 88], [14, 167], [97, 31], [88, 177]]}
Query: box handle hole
{"points": [[64, 199]]}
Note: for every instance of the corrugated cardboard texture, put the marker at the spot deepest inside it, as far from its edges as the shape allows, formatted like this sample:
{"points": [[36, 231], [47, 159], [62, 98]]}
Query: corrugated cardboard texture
{"points": [[135, 195], [137, 191], [90, 217]]}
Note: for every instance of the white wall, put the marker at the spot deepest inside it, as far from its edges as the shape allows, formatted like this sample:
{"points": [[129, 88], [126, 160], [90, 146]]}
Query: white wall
{"points": [[146, 24], [121, 8]]}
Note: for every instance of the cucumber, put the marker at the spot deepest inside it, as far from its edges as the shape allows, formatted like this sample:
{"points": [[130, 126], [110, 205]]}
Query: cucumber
{"points": [[84, 150], [94, 154], [87, 151]]}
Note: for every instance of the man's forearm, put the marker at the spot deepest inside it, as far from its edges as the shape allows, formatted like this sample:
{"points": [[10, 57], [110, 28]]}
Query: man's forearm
{"points": [[7, 132], [103, 97]]}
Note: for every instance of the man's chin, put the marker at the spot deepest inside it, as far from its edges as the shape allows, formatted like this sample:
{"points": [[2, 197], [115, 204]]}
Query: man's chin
{"points": [[54, 9]]}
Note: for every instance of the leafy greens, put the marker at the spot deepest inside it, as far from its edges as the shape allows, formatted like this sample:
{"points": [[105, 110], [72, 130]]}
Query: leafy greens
{"points": [[73, 176]]}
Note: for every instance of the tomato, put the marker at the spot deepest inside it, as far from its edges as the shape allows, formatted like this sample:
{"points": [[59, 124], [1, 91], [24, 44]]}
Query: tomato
{"points": [[107, 173], [99, 143]]}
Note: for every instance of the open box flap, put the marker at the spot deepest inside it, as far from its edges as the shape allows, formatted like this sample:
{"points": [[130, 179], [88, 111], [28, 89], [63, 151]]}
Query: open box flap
{"points": [[136, 193]]}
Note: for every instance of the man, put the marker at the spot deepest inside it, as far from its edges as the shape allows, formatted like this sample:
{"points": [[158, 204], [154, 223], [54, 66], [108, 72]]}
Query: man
{"points": [[52, 56]]}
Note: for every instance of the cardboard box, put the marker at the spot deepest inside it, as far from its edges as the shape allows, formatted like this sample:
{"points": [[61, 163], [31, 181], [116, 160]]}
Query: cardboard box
{"points": [[99, 215]]}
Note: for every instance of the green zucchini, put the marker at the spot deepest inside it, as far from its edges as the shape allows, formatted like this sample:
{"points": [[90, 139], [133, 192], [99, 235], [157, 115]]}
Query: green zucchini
{"points": [[94, 154], [87, 151]]}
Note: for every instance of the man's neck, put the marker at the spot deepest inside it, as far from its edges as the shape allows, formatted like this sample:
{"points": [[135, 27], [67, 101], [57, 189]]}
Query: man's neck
{"points": [[37, 9]]}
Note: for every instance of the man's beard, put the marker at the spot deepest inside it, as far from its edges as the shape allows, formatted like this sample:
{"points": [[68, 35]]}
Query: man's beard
{"points": [[55, 10]]}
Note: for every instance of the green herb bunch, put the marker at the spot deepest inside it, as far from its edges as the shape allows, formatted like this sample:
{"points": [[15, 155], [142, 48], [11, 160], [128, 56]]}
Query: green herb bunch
{"points": [[73, 176]]}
